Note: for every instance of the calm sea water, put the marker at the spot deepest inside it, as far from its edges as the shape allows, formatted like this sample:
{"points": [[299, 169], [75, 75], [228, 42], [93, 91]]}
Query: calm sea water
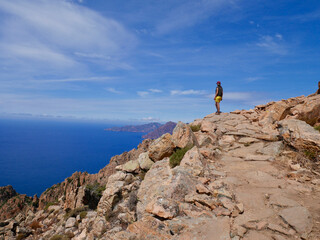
{"points": [[35, 154]]}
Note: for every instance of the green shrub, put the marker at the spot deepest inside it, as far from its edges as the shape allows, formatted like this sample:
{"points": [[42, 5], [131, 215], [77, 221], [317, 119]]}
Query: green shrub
{"points": [[59, 237], [195, 128], [75, 212], [317, 128], [311, 155], [21, 236], [50, 204], [96, 188], [83, 214], [177, 156]]}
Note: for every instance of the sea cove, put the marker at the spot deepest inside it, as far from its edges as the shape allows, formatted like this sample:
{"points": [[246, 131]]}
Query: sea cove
{"points": [[35, 154]]}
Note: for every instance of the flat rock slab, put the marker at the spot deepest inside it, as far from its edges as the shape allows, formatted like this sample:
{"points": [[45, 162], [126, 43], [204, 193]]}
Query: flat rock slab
{"points": [[299, 218], [248, 140], [281, 201], [253, 235], [253, 157], [263, 180], [245, 151], [211, 229]]}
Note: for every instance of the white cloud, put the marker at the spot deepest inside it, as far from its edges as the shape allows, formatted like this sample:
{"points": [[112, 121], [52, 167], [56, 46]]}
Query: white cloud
{"points": [[188, 92], [155, 90], [279, 36], [57, 33], [112, 90], [143, 93], [150, 119], [273, 44], [150, 91], [88, 79]]}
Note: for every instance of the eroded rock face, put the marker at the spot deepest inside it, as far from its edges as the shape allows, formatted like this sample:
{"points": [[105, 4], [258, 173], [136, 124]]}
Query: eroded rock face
{"points": [[299, 134], [161, 148], [308, 111], [279, 110], [183, 136], [162, 182]]}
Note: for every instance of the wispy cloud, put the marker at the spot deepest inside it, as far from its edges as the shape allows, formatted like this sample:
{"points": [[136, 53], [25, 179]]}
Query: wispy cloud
{"points": [[57, 33], [155, 90], [273, 44], [88, 79], [143, 93], [189, 12], [150, 119], [188, 92], [148, 92], [112, 90]]}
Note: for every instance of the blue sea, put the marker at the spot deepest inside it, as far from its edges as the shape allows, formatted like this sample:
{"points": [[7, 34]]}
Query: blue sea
{"points": [[35, 154]]}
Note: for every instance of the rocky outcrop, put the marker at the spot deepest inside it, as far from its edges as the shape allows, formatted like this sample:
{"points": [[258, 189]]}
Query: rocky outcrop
{"points": [[161, 147], [300, 135], [6, 193], [242, 176], [183, 136]]}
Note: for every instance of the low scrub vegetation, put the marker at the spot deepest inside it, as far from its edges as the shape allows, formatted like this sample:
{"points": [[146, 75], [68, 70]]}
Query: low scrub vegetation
{"points": [[75, 212], [35, 225], [195, 128], [50, 204], [96, 188], [317, 128], [59, 237], [177, 156]]}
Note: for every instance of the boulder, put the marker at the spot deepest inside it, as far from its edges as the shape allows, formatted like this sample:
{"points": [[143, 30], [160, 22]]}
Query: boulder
{"points": [[144, 161], [163, 182], [193, 162], [183, 136], [131, 166], [207, 126], [226, 140], [164, 208], [299, 134], [71, 222], [161, 147]]}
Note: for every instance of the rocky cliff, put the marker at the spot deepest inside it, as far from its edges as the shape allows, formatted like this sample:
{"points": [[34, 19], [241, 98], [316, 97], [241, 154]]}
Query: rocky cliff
{"points": [[249, 174]]}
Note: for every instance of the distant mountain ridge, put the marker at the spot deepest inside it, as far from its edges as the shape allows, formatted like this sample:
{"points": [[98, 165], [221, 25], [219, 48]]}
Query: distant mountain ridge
{"points": [[153, 130], [145, 128], [166, 128]]}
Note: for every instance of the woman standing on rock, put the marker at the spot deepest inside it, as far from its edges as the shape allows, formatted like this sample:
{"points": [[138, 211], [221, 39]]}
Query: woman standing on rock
{"points": [[218, 97]]}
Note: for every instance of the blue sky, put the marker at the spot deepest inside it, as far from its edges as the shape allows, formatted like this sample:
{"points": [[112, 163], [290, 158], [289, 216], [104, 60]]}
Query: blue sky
{"points": [[150, 60]]}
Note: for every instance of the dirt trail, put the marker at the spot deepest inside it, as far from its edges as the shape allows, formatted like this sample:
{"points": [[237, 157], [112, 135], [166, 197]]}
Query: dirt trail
{"points": [[274, 206]]}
